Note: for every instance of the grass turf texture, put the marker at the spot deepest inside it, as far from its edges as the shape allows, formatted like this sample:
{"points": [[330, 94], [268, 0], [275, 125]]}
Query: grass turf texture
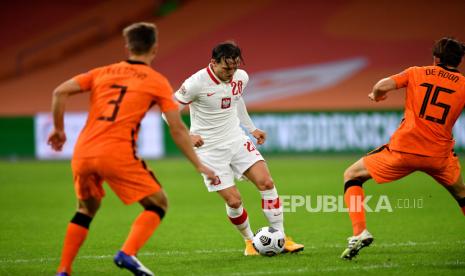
{"points": [[196, 238]]}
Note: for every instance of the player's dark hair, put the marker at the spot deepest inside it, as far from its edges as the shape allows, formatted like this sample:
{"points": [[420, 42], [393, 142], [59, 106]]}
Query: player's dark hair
{"points": [[227, 50], [449, 51], [140, 37]]}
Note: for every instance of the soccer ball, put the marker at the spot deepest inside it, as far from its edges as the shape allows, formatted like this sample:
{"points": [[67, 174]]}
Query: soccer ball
{"points": [[268, 241]]}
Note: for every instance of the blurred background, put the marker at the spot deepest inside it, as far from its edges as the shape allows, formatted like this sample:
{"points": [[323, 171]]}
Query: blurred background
{"points": [[311, 64]]}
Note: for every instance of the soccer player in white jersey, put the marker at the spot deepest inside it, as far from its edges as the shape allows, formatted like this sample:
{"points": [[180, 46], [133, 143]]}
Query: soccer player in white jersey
{"points": [[214, 95]]}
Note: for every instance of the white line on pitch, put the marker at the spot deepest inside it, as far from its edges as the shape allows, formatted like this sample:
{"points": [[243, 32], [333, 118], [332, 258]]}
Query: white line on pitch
{"points": [[307, 270], [206, 251]]}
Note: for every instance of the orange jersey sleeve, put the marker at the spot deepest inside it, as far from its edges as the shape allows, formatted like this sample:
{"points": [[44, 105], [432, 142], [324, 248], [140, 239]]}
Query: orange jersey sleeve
{"points": [[85, 80], [401, 79]]}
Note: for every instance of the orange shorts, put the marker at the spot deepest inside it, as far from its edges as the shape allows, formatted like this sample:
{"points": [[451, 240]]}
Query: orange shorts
{"points": [[386, 165], [128, 177]]}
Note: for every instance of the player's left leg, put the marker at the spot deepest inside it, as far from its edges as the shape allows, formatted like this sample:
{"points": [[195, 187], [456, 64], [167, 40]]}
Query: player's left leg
{"points": [[457, 190], [155, 207], [132, 181], [450, 177], [76, 233], [259, 174], [149, 219]]}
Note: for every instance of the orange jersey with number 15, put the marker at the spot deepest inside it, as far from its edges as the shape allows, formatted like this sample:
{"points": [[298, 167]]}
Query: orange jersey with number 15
{"points": [[434, 100], [121, 94]]}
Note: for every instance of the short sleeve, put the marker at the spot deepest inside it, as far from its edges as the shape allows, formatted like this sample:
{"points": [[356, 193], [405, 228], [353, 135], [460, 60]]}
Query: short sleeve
{"points": [[402, 78], [165, 98], [85, 80], [246, 78], [188, 91]]}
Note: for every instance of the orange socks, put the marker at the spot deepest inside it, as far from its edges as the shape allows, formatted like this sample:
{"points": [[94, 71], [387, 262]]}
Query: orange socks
{"points": [[76, 233], [77, 230], [353, 198], [141, 230]]}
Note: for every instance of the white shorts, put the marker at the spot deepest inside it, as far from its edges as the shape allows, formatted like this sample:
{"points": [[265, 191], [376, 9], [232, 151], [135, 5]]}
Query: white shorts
{"points": [[229, 162]]}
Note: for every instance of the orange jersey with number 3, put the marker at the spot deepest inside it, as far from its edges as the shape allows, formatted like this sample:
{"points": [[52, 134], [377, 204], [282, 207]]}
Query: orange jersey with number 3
{"points": [[121, 94], [434, 100]]}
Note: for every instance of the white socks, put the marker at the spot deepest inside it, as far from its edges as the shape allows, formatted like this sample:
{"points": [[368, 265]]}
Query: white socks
{"points": [[271, 205], [240, 219]]}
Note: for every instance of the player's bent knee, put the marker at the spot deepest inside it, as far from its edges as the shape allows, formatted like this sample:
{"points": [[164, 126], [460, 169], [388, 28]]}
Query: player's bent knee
{"points": [[458, 188], [265, 184], [89, 206], [163, 202], [234, 203], [350, 173], [158, 199], [88, 210]]}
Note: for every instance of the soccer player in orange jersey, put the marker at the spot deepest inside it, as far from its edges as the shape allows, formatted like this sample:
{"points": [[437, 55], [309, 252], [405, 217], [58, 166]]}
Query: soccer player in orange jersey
{"points": [[423, 142], [120, 95]]}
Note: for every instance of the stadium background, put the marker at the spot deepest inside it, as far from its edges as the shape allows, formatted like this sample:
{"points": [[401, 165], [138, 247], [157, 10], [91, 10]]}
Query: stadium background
{"points": [[311, 63]]}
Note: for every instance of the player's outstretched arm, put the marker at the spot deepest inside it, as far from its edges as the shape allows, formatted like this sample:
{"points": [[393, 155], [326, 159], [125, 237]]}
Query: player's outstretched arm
{"points": [[381, 88], [180, 107], [57, 137], [181, 137], [244, 117], [246, 121]]}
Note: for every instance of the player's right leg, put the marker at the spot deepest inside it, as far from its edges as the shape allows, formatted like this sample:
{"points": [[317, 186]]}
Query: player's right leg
{"points": [[89, 191], [76, 233], [238, 217], [383, 165], [354, 177], [155, 207], [259, 174]]}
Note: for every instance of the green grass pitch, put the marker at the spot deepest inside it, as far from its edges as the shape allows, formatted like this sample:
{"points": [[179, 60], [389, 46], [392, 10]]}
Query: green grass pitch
{"points": [[196, 238]]}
